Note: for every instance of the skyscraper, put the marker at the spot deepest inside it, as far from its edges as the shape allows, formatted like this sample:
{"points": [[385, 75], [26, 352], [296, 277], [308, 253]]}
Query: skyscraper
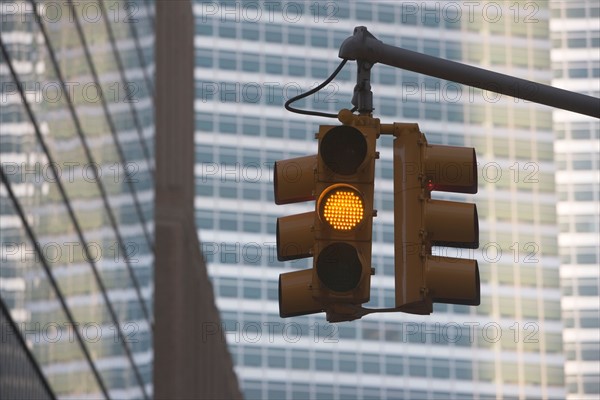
{"points": [[575, 34], [77, 193], [250, 58]]}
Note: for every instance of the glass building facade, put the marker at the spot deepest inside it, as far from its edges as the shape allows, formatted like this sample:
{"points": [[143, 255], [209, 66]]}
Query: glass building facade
{"points": [[575, 30], [76, 199], [250, 58]]}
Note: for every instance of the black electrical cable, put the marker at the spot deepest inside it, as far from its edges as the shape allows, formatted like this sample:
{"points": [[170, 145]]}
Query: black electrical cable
{"points": [[313, 91]]}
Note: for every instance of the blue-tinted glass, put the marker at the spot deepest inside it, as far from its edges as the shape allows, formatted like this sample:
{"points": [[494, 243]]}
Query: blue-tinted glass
{"points": [[319, 38], [273, 34], [385, 13], [204, 29], [250, 31], [296, 67], [364, 12], [204, 58], [296, 35], [227, 60], [319, 69], [274, 65], [250, 62]]}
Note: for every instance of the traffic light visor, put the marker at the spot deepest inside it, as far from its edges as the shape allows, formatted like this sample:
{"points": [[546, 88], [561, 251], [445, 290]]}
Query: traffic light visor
{"points": [[453, 280], [451, 169], [294, 179], [294, 235], [295, 296]]}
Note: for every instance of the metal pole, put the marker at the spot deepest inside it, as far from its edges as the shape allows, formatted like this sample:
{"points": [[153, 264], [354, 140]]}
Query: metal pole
{"points": [[365, 47], [363, 96]]}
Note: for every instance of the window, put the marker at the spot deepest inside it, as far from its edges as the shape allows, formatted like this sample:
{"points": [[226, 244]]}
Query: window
{"points": [[204, 28], [227, 124], [227, 60], [250, 31], [275, 358], [393, 365], [251, 127], [319, 38], [227, 29], [204, 58], [300, 359], [273, 34], [252, 357], [228, 221], [252, 224], [204, 122], [578, 12], [371, 364], [296, 67], [274, 128], [440, 368], [388, 106], [319, 69], [323, 361], [417, 367], [274, 65], [298, 130], [251, 287], [387, 75], [363, 12], [250, 62], [252, 193], [385, 13], [432, 48], [228, 192], [228, 287], [347, 362], [272, 290], [296, 35]]}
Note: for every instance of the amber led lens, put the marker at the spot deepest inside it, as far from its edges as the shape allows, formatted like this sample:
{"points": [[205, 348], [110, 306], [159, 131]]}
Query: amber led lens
{"points": [[342, 207]]}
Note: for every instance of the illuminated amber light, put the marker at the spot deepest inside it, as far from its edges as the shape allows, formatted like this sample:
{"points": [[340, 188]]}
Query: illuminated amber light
{"points": [[342, 208]]}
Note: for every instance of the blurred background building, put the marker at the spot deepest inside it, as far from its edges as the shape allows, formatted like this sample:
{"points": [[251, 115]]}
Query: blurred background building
{"points": [[250, 58], [78, 190], [77, 206], [575, 32]]}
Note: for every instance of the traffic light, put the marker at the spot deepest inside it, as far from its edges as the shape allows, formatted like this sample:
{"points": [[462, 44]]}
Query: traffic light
{"points": [[338, 233], [421, 222]]}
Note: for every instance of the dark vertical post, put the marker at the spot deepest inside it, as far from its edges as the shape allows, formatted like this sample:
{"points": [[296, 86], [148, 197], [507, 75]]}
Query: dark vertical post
{"points": [[191, 360]]}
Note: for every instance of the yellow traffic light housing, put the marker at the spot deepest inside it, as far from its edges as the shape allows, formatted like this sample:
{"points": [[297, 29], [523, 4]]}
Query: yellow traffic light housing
{"points": [[338, 233], [343, 229], [421, 222]]}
